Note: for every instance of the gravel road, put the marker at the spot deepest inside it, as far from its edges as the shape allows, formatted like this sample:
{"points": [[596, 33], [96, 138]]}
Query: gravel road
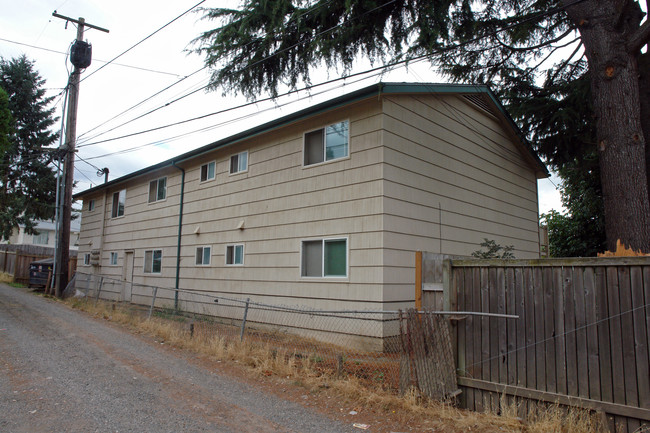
{"points": [[62, 371]]}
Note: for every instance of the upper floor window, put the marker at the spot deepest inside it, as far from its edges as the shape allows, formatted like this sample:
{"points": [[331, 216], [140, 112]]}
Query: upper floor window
{"points": [[157, 189], [119, 201], [239, 162], [325, 258], [326, 144], [234, 254], [152, 261], [41, 238], [208, 171], [91, 205]]}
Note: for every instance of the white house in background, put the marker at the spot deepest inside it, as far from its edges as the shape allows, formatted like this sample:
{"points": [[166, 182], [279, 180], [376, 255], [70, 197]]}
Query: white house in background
{"points": [[325, 207], [46, 236]]}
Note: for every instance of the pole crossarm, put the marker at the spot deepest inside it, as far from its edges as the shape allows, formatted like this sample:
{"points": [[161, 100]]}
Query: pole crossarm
{"points": [[63, 17]]}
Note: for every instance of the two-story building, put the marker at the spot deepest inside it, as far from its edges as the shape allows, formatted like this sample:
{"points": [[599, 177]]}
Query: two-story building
{"points": [[324, 207]]}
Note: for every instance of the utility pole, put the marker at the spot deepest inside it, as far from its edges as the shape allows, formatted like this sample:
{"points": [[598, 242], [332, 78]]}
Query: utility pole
{"points": [[63, 251]]}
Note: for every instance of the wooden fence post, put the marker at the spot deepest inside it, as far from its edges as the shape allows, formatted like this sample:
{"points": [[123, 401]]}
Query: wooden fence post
{"points": [[418, 280]]}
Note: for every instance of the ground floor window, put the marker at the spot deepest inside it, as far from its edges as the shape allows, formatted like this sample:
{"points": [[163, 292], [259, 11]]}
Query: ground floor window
{"points": [[152, 261], [87, 259], [113, 258], [325, 258], [234, 254]]}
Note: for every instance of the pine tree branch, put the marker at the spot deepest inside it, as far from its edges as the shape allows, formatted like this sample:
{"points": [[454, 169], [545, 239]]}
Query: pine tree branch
{"points": [[640, 38], [534, 47]]}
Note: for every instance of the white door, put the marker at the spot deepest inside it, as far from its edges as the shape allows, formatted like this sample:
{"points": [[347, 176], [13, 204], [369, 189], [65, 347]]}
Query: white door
{"points": [[127, 285]]}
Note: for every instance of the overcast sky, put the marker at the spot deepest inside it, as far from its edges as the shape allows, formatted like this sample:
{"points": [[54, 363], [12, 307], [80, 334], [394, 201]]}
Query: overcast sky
{"points": [[28, 27]]}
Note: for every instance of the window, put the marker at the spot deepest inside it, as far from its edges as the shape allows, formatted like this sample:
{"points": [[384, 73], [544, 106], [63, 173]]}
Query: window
{"points": [[157, 189], [239, 162], [91, 205], [87, 259], [325, 258], [41, 238], [152, 261], [208, 171], [119, 200], [113, 259], [326, 144], [203, 255], [234, 254]]}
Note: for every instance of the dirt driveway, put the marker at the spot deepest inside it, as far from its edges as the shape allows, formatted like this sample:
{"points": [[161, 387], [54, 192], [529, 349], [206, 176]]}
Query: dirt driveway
{"points": [[62, 371]]}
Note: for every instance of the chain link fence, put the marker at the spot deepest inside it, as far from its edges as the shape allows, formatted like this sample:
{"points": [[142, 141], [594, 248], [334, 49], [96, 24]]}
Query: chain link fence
{"points": [[364, 344]]}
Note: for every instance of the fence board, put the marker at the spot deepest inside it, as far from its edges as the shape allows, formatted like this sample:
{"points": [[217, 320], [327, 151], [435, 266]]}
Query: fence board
{"points": [[593, 359], [493, 289], [559, 335], [581, 338], [476, 332], [510, 340], [521, 325], [640, 338], [549, 328], [579, 323], [568, 314]]}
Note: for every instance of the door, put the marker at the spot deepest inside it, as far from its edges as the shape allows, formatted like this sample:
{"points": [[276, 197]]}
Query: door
{"points": [[127, 276]]}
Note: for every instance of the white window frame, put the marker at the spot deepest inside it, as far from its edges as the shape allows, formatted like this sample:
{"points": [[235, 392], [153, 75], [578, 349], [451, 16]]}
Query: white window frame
{"points": [[324, 144], [207, 172], [153, 253], [234, 254], [87, 259], [91, 205], [323, 242], [155, 184], [112, 259], [239, 163], [202, 256], [37, 239], [121, 198]]}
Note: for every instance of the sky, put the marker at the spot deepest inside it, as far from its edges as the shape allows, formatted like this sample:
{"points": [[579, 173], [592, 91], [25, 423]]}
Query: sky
{"points": [[113, 95]]}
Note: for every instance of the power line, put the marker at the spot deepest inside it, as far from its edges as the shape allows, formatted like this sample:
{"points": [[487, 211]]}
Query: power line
{"points": [[215, 126], [95, 60], [386, 66], [137, 105], [320, 5], [138, 43]]}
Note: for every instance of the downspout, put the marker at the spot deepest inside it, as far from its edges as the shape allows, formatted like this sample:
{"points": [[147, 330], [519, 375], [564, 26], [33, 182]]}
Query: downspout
{"points": [[180, 230]]}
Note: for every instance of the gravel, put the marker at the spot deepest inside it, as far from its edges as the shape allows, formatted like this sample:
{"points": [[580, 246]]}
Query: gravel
{"points": [[63, 371]]}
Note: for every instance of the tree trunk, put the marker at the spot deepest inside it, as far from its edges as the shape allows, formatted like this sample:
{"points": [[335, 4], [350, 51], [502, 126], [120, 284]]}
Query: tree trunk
{"points": [[644, 92], [605, 29]]}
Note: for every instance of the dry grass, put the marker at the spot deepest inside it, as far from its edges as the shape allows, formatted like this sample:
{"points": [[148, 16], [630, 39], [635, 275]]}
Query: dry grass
{"points": [[6, 278], [267, 361]]}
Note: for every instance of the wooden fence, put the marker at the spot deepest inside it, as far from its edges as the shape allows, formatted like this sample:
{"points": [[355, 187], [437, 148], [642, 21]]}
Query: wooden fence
{"points": [[581, 337], [15, 260]]}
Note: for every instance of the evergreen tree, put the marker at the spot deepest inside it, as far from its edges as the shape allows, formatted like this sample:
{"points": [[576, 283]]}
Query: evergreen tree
{"points": [[27, 182], [581, 231], [571, 71]]}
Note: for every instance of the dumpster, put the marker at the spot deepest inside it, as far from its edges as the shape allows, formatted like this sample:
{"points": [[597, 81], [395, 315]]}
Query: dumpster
{"points": [[39, 270]]}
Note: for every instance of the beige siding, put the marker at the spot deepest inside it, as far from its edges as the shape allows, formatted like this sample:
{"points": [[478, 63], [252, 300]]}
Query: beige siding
{"points": [[282, 203], [429, 173], [453, 176]]}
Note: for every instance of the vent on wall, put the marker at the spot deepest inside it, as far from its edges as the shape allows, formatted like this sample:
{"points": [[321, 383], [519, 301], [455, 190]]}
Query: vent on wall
{"points": [[480, 102]]}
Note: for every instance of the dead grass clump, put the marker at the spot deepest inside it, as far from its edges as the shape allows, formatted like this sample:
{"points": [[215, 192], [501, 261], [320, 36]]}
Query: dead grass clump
{"points": [[563, 420], [6, 278]]}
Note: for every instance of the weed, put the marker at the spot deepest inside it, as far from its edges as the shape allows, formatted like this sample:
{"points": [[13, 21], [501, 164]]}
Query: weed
{"points": [[6, 278], [311, 373]]}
